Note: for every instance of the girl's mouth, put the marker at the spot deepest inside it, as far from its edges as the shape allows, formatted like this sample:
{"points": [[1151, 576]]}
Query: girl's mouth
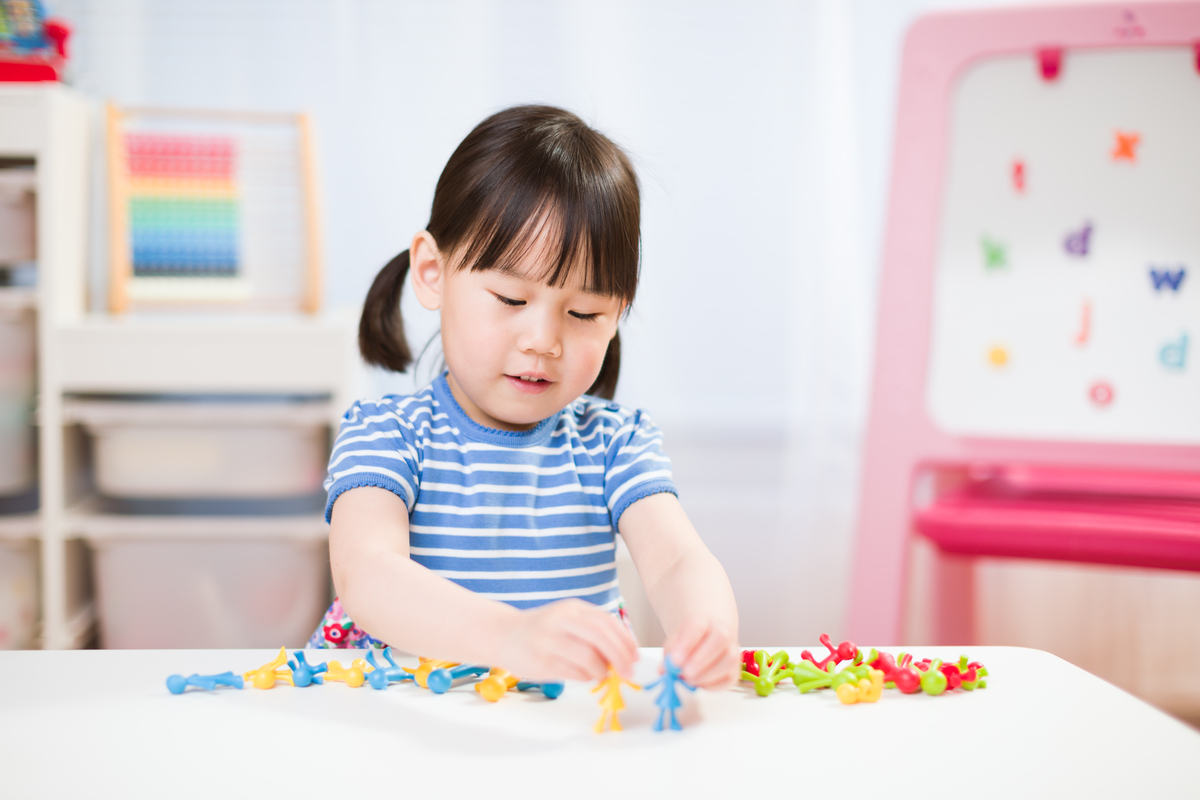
{"points": [[529, 384]]}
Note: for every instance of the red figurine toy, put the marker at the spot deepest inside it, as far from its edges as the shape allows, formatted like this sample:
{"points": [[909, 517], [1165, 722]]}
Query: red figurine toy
{"points": [[846, 651]]}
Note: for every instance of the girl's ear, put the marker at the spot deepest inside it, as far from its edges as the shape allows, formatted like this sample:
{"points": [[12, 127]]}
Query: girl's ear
{"points": [[427, 270]]}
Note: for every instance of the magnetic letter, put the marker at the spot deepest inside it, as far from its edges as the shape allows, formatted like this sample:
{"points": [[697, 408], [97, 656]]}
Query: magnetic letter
{"points": [[994, 256], [1167, 279], [1126, 147], [1174, 354], [1078, 242]]}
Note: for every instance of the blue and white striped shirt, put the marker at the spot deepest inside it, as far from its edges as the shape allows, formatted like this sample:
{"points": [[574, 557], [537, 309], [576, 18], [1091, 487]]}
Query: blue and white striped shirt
{"points": [[524, 517]]}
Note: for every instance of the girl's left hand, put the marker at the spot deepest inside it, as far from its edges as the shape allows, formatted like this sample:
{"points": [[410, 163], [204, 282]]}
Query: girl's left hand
{"points": [[706, 653]]}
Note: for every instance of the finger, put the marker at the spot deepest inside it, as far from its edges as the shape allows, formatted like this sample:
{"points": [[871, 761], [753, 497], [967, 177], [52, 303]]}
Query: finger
{"points": [[720, 673], [575, 638], [556, 669], [717, 680], [565, 671], [608, 635], [683, 640], [623, 639], [713, 648], [598, 633], [580, 654], [626, 634]]}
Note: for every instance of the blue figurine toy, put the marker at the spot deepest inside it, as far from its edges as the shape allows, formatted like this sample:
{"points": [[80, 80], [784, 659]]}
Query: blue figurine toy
{"points": [[668, 698], [303, 674], [440, 680], [381, 676], [551, 690], [176, 684]]}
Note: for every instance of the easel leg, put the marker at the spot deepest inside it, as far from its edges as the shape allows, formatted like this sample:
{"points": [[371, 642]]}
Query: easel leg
{"points": [[954, 599]]}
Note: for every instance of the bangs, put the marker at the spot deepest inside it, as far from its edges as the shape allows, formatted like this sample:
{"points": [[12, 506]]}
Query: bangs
{"points": [[573, 248], [562, 191]]}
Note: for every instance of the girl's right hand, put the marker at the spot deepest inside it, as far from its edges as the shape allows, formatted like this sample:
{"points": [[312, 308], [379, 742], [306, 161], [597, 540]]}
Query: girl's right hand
{"points": [[568, 639]]}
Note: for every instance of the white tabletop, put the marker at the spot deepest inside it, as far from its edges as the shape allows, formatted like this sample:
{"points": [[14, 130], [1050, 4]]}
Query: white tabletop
{"points": [[88, 724]]}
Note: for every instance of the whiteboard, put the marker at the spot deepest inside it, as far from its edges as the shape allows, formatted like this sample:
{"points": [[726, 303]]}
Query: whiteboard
{"points": [[1066, 303]]}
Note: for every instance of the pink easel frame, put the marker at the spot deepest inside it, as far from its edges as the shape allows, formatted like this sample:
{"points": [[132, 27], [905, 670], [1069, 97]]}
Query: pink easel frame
{"points": [[900, 436]]}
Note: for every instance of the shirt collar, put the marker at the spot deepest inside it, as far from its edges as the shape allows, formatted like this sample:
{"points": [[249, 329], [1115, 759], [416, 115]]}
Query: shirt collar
{"points": [[538, 434]]}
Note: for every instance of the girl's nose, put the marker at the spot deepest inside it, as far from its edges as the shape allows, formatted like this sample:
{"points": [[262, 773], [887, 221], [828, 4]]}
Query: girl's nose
{"points": [[541, 336]]}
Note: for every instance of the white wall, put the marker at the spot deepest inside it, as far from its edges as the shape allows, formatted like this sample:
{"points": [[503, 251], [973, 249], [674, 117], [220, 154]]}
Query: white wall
{"points": [[761, 133]]}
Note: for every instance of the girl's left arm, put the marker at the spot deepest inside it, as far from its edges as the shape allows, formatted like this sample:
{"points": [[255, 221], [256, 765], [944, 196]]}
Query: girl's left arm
{"points": [[687, 587]]}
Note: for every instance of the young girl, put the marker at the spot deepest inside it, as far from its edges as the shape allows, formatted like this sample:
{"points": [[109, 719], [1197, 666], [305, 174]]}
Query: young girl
{"points": [[475, 520]]}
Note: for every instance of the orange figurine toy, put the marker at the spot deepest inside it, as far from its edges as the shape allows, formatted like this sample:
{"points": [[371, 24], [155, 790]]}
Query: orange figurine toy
{"points": [[611, 701], [265, 676], [496, 684]]}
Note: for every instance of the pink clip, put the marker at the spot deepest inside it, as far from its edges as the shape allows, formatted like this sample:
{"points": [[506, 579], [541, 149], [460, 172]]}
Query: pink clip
{"points": [[1196, 47], [1050, 59]]}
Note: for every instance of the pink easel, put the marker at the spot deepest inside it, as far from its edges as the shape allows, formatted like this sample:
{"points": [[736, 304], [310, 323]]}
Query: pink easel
{"points": [[1115, 503]]}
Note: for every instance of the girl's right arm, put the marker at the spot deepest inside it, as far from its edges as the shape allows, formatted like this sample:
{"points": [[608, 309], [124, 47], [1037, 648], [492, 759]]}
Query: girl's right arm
{"points": [[415, 610]]}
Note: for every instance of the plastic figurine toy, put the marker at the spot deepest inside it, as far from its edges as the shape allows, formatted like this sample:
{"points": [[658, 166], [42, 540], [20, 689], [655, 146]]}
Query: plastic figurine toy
{"points": [[380, 676], [770, 671], [552, 690], [856, 682], [865, 690], [937, 678], [846, 651], [807, 676], [428, 665], [933, 680], [440, 680], [880, 661], [495, 685], [858, 677], [611, 702], [268, 674], [972, 674], [896, 675], [668, 698], [353, 676], [176, 684], [964, 676], [911, 677], [749, 664], [303, 674]]}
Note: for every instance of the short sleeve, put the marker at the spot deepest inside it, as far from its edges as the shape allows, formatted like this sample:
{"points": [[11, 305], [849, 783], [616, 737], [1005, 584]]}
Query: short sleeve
{"points": [[635, 465], [375, 446]]}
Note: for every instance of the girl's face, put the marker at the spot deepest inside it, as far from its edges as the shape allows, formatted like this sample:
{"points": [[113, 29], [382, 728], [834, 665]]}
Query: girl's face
{"points": [[517, 350]]}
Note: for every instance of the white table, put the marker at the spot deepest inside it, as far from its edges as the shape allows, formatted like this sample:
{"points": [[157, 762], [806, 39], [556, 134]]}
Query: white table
{"points": [[85, 724]]}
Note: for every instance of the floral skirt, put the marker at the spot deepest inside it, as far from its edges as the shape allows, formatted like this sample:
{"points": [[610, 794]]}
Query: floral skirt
{"points": [[338, 632]]}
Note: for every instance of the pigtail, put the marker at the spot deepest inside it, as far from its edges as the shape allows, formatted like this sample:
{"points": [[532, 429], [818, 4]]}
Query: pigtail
{"points": [[605, 384], [381, 329]]}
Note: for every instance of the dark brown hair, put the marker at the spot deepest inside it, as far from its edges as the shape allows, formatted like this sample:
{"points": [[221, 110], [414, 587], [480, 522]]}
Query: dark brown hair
{"points": [[518, 169]]}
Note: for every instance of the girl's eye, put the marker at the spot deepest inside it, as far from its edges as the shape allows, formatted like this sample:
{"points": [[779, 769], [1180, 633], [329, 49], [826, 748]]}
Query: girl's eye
{"points": [[584, 317], [508, 301]]}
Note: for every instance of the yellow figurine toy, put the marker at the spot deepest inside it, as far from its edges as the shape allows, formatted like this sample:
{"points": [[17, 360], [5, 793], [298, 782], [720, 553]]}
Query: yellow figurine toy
{"points": [[353, 676], [496, 684], [867, 690], [611, 701], [265, 676]]}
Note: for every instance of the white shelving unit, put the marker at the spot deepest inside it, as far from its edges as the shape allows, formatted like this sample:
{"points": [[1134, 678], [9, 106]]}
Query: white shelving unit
{"points": [[18, 527], [84, 353]]}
